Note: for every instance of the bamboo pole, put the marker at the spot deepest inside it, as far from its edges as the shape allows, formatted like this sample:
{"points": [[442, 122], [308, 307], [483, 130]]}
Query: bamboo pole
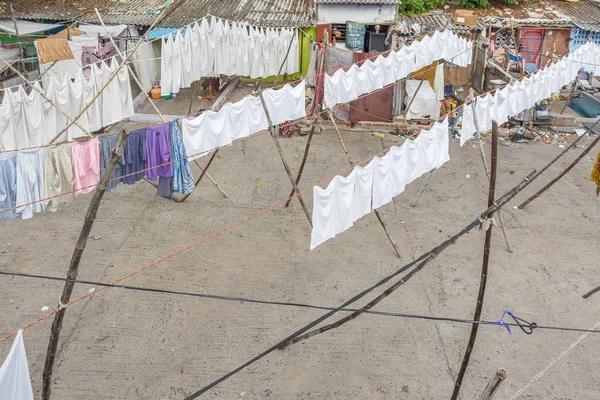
{"points": [[160, 17], [285, 164], [484, 268], [287, 54], [438, 250], [487, 173], [306, 149], [492, 387], [210, 178], [131, 72], [425, 185], [41, 93], [65, 298], [417, 91], [565, 171], [383, 225], [369, 306], [571, 95], [184, 198]]}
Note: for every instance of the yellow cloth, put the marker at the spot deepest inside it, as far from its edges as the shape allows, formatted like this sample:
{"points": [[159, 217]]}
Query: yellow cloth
{"points": [[596, 174], [51, 50]]}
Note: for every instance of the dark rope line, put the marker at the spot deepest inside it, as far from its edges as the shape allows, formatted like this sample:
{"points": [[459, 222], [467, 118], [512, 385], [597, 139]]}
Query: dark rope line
{"points": [[519, 322], [501, 202]]}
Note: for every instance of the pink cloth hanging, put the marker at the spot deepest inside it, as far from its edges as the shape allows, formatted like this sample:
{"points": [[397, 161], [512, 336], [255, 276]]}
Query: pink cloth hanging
{"points": [[86, 166]]}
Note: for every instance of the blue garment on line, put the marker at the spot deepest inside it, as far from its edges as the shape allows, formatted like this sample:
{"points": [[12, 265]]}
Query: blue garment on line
{"points": [[134, 157], [107, 144], [183, 180], [8, 184]]}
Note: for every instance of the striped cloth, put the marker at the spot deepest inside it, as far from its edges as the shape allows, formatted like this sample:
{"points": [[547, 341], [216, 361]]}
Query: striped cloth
{"points": [[183, 181]]}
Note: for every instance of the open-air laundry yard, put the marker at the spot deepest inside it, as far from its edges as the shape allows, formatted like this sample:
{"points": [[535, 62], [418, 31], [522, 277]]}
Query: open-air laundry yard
{"points": [[309, 201]]}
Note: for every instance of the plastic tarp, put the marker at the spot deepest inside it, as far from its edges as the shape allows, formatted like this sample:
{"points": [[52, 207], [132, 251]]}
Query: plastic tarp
{"points": [[25, 27], [15, 383], [425, 104], [94, 30]]}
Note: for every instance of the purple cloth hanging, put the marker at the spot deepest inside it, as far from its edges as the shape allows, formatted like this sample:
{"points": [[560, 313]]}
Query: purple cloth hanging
{"points": [[158, 151]]}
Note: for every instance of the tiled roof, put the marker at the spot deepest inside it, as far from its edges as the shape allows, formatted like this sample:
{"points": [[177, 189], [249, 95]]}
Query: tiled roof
{"points": [[585, 14], [144, 12]]}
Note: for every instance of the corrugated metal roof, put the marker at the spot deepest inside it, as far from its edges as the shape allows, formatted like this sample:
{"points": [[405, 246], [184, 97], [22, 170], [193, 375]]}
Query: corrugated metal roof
{"points": [[585, 14], [144, 12]]}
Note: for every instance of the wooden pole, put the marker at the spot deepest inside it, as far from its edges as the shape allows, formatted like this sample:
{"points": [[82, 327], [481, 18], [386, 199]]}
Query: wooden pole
{"points": [[287, 54], [571, 95], [417, 91], [184, 198], [487, 173], [484, 268], [492, 387], [385, 229], [160, 17], [65, 298], [369, 306], [591, 292], [507, 196], [306, 149], [210, 178], [285, 164], [133, 75], [425, 184], [564, 172], [41, 92]]}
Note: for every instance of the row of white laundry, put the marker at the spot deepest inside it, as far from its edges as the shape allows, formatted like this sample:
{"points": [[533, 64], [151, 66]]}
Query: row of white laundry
{"points": [[218, 47], [29, 120], [344, 86], [524, 94], [348, 198], [246, 117]]}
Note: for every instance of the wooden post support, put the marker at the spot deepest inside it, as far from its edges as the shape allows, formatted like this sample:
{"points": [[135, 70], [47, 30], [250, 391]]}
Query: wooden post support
{"points": [[160, 17], [492, 387], [65, 298], [287, 54], [184, 198], [417, 91], [591, 292], [565, 171], [423, 261], [137, 81], [487, 173], [571, 95], [41, 92], [131, 72], [385, 229], [285, 164], [210, 178], [425, 184], [484, 268], [306, 149]]}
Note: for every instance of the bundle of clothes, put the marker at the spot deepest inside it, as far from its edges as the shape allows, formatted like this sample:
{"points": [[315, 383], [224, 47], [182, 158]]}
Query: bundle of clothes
{"points": [[48, 173]]}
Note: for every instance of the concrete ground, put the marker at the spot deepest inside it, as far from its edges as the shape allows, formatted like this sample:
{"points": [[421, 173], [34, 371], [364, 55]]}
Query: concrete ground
{"points": [[122, 344]]}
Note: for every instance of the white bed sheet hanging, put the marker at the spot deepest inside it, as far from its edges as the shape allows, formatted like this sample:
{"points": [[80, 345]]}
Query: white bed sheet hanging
{"points": [[233, 121], [425, 103], [287, 103], [15, 383], [214, 47]]}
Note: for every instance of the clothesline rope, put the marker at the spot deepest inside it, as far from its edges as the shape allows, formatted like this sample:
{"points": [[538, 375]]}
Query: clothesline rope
{"points": [[272, 87], [303, 305], [205, 239]]}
